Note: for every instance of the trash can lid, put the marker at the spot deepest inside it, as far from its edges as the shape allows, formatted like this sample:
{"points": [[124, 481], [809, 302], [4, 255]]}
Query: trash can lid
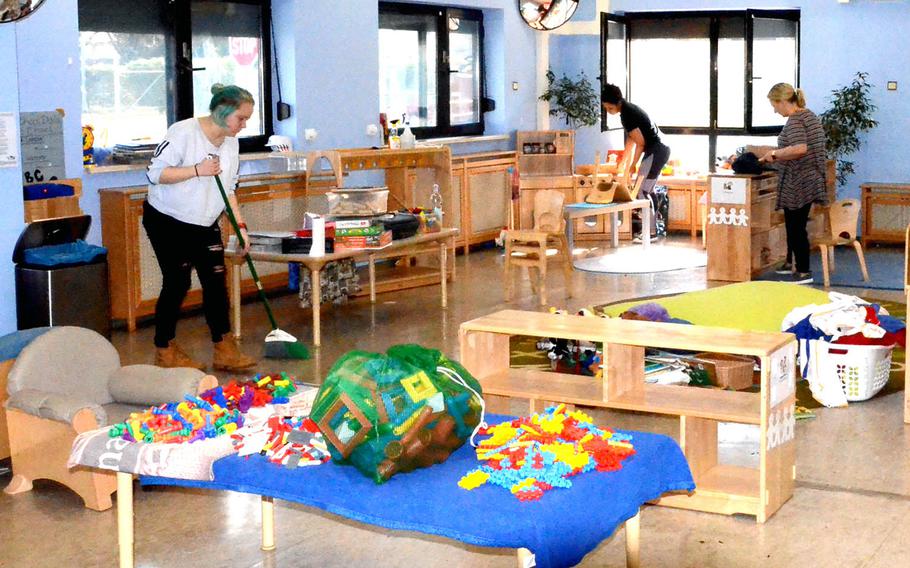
{"points": [[51, 232]]}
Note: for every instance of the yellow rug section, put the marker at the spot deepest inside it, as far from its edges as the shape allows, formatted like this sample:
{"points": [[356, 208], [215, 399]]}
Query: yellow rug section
{"points": [[750, 306]]}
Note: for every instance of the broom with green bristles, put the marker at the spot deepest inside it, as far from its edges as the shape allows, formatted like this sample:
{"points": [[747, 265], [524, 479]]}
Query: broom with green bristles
{"points": [[278, 344]]}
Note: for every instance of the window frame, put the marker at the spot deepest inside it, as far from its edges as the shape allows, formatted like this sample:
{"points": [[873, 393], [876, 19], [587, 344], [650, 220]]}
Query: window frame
{"points": [[713, 131], [179, 65], [443, 127]]}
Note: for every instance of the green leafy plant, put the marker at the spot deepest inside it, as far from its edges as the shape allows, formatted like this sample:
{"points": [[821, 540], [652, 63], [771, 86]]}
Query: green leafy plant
{"points": [[849, 116], [575, 101]]}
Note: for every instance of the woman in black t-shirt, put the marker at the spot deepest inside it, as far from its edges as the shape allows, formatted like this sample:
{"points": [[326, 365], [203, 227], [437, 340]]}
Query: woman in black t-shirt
{"points": [[642, 141]]}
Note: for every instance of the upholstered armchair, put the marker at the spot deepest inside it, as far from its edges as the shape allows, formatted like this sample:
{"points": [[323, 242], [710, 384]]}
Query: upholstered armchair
{"points": [[68, 381]]}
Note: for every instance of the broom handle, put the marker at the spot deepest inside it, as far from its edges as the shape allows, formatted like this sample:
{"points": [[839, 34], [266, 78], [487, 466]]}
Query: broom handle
{"points": [[249, 261]]}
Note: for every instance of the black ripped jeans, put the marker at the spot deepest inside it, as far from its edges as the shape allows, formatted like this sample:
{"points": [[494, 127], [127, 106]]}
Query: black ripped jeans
{"points": [[180, 247]]}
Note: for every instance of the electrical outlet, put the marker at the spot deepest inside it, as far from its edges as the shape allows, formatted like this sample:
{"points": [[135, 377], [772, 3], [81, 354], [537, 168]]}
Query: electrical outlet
{"points": [[514, 85], [372, 130], [310, 134]]}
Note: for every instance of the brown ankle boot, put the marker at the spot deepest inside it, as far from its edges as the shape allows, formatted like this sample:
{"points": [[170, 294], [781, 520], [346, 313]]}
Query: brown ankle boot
{"points": [[174, 356], [228, 357]]}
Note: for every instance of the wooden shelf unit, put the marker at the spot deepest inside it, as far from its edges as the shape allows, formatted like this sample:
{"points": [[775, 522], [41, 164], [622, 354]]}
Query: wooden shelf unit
{"points": [[737, 252], [720, 488], [886, 212], [539, 171], [484, 185]]}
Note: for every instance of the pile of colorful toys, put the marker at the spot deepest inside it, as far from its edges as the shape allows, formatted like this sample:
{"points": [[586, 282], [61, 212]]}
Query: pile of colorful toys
{"points": [[190, 420], [259, 391], [215, 412], [291, 442], [535, 454]]}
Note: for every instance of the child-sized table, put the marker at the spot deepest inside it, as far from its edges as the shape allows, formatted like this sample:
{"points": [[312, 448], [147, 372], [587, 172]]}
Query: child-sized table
{"points": [[558, 530]]}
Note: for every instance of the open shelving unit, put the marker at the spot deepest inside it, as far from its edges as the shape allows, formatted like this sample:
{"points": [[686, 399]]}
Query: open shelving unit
{"points": [[540, 169], [720, 488]]}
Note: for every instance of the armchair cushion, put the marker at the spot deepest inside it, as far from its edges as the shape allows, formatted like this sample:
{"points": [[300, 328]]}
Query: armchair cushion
{"points": [[70, 361], [148, 385], [53, 406]]}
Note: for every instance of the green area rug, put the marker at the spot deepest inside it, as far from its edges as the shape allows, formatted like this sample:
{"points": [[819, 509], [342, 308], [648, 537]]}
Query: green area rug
{"points": [[758, 306]]}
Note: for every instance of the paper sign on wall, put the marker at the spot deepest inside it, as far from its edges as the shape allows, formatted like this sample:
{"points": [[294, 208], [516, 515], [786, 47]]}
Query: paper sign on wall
{"points": [[728, 190], [42, 146], [9, 142], [783, 373]]}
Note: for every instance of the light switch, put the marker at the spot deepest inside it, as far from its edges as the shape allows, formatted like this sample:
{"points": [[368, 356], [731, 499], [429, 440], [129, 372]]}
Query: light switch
{"points": [[892, 85], [514, 85]]}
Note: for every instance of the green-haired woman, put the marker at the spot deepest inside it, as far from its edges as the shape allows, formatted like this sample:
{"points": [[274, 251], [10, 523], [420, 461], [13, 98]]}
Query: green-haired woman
{"points": [[181, 216]]}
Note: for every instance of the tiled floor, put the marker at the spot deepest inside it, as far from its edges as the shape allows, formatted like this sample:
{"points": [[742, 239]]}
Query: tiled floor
{"points": [[851, 506]]}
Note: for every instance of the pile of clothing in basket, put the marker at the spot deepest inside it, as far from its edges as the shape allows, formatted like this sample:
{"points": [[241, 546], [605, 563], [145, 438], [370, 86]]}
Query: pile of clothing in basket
{"points": [[845, 347]]}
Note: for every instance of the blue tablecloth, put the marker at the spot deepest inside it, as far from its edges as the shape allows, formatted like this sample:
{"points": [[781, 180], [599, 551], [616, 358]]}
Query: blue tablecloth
{"points": [[560, 529]]}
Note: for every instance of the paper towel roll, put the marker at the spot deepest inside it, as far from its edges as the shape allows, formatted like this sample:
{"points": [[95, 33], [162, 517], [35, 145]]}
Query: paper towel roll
{"points": [[317, 223]]}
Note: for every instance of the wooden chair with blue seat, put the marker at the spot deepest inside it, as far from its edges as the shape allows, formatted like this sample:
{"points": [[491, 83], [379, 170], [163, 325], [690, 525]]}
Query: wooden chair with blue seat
{"points": [[529, 248], [68, 381], [843, 218]]}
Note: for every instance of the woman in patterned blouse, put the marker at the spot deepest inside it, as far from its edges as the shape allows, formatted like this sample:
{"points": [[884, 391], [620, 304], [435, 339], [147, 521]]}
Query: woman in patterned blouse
{"points": [[800, 161]]}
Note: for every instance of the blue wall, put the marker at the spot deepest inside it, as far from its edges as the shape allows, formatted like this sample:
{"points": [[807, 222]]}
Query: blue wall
{"points": [[836, 41], [11, 209]]}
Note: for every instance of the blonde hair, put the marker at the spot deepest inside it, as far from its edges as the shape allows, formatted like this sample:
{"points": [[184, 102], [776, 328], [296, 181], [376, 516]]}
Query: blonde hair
{"points": [[786, 92]]}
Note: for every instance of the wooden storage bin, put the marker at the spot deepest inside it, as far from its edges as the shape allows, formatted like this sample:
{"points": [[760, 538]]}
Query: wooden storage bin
{"points": [[761, 250], [761, 213], [720, 487], [728, 371]]}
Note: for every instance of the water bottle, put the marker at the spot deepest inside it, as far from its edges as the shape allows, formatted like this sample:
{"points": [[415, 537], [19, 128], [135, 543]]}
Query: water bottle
{"points": [[436, 203]]}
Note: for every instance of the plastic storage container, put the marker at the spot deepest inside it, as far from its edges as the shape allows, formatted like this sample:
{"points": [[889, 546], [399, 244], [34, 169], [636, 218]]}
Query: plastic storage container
{"points": [[358, 201], [863, 370]]}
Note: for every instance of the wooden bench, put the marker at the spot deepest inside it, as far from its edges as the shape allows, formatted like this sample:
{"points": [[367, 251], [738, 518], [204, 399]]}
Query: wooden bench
{"points": [[720, 488]]}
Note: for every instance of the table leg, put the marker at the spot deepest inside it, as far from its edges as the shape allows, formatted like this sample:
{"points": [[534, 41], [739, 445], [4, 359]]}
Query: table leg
{"points": [[646, 226], [268, 523], [235, 297], [525, 558], [451, 245], [317, 301], [633, 526], [372, 268], [125, 518], [614, 229], [443, 264]]}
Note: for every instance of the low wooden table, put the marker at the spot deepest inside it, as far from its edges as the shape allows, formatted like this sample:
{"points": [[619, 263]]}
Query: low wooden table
{"points": [[439, 242], [580, 210]]}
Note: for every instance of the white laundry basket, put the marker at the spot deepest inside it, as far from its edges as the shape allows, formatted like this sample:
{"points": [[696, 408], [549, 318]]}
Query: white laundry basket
{"points": [[862, 369]]}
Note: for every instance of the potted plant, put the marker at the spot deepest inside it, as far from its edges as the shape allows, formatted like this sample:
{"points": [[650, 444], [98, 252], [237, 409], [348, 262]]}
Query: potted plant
{"points": [[575, 101], [849, 116]]}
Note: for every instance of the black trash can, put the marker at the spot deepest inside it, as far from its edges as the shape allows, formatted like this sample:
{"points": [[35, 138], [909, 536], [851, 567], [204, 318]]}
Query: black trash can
{"points": [[60, 279]]}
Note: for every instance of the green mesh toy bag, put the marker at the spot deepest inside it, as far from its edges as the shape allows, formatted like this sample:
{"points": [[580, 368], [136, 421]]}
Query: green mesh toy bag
{"points": [[387, 413]]}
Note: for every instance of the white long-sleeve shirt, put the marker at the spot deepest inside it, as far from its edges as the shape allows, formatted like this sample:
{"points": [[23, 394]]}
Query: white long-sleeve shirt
{"points": [[196, 200]]}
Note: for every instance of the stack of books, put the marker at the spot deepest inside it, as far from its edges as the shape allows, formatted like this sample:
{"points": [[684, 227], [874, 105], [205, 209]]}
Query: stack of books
{"points": [[355, 234]]}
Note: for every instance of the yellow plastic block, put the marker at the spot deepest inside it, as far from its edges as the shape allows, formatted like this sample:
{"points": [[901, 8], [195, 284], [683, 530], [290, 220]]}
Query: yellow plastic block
{"points": [[473, 480]]}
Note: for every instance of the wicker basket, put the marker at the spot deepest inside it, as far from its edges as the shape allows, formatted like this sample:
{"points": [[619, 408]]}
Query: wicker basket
{"points": [[863, 370], [728, 371]]}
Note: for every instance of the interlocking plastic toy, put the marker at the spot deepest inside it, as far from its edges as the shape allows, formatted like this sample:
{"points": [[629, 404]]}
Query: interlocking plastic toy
{"points": [[529, 456]]}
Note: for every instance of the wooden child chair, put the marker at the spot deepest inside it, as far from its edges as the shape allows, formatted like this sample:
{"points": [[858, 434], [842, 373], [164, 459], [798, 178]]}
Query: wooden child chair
{"points": [[528, 248], [318, 178], [843, 215]]}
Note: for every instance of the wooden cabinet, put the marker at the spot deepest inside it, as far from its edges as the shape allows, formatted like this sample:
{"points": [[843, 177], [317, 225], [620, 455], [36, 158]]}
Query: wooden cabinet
{"points": [[275, 203], [545, 161], [886, 212], [684, 194], [720, 487], [484, 186], [744, 237]]}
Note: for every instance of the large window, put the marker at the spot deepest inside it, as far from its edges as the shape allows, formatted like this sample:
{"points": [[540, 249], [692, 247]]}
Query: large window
{"points": [[431, 68], [703, 77], [149, 63]]}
